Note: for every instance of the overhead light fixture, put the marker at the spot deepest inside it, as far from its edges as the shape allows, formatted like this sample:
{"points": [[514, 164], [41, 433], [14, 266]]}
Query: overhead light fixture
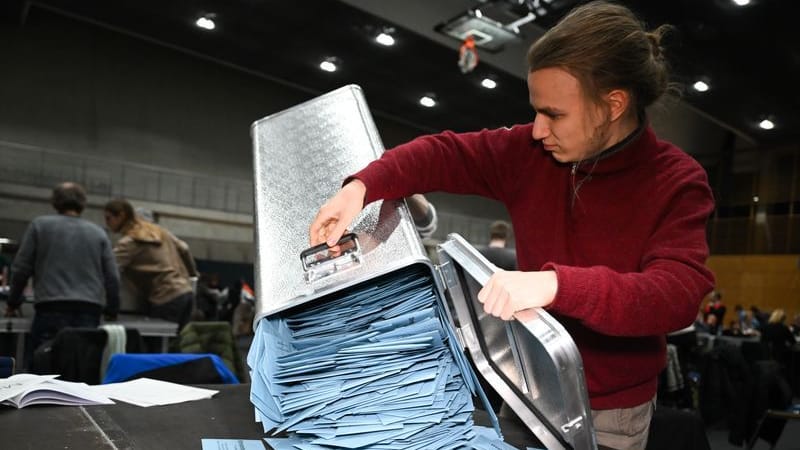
{"points": [[741, 2], [755, 199], [330, 64], [489, 83], [206, 21], [385, 37], [428, 101], [701, 86], [766, 124]]}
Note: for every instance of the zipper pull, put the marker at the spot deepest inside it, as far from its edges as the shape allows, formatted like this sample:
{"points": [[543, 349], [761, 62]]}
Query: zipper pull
{"points": [[574, 168]]}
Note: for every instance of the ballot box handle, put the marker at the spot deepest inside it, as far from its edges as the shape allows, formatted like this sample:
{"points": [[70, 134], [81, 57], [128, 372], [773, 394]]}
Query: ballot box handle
{"points": [[321, 261]]}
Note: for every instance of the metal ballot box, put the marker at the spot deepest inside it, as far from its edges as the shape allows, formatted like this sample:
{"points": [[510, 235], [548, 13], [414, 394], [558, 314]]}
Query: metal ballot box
{"points": [[319, 311]]}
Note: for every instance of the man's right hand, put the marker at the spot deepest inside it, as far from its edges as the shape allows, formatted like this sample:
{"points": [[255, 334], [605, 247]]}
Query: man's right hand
{"points": [[337, 214]]}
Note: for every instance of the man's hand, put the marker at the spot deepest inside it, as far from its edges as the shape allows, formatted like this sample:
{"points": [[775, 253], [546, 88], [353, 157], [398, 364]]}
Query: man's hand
{"points": [[507, 292], [336, 215]]}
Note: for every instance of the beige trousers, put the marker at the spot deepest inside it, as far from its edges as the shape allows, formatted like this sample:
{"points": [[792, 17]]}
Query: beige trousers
{"points": [[624, 428]]}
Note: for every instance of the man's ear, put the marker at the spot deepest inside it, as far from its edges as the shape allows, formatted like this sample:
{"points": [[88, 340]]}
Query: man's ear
{"points": [[618, 101]]}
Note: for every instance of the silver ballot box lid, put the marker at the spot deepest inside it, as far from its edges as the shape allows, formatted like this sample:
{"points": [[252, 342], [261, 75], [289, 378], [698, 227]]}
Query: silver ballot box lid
{"points": [[301, 156], [531, 360]]}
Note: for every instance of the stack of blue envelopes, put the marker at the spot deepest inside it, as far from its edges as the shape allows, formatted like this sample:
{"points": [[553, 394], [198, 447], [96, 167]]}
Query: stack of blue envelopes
{"points": [[374, 366]]}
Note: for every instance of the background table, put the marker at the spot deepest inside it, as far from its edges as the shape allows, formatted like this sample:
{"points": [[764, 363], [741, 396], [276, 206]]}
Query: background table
{"points": [[147, 327]]}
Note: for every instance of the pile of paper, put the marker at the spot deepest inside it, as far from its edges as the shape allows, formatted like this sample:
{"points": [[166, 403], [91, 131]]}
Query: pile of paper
{"points": [[374, 367]]}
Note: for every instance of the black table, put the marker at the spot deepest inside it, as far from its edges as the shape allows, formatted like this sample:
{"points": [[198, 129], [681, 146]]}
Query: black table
{"points": [[229, 415]]}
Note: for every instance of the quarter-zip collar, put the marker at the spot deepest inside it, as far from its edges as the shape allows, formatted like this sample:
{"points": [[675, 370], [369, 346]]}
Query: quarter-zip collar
{"points": [[623, 154]]}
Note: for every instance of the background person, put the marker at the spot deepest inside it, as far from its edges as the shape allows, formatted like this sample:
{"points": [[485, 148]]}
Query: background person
{"points": [[74, 274], [496, 251], [610, 221], [158, 263]]}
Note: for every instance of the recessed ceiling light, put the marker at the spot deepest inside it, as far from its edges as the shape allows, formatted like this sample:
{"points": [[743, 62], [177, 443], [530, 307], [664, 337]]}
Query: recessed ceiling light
{"points": [[755, 199], [489, 83], [766, 124], [385, 38], [427, 101], [701, 86], [329, 64], [741, 2], [206, 22]]}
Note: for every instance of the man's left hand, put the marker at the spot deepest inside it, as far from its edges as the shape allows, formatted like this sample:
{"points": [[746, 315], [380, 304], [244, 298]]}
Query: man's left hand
{"points": [[507, 292]]}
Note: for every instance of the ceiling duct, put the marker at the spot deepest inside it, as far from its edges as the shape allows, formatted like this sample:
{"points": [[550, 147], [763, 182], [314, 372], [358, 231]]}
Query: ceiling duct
{"points": [[494, 23]]}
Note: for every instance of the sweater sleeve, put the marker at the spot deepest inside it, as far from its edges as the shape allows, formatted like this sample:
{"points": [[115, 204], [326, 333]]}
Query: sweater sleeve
{"points": [[458, 163], [666, 293]]}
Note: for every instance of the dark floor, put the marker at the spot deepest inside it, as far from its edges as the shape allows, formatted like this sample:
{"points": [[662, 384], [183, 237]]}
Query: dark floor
{"points": [[789, 439]]}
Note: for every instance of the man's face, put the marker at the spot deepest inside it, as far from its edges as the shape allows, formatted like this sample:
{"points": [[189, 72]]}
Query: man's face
{"points": [[570, 127]]}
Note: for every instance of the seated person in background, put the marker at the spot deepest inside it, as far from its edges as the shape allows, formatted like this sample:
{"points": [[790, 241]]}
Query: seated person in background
{"points": [[245, 311], [760, 318], [158, 263], [700, 324], [209, 297], [716, 307], [734, 329], [778, 336], [73, 269], [496, 252], [749, 325], [712, 325]]}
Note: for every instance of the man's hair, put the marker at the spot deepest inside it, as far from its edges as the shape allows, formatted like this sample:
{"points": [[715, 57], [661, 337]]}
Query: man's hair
{"points": [[68, 196], [121, 206], [499, 229], [606, 47]]}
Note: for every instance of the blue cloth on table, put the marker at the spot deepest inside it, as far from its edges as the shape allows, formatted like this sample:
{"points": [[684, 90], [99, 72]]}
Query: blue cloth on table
{"points": [[6, 366], [123, 367]]}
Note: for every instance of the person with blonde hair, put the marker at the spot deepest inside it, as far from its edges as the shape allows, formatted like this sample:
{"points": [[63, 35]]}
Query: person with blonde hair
{"points": [[778, 337]]}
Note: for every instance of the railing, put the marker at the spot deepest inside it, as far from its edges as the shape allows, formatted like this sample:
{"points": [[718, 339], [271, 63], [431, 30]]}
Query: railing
{"points": [[35, 166]]}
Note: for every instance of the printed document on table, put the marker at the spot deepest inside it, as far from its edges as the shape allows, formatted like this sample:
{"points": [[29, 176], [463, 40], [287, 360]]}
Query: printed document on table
{"points": [[147, 392]]}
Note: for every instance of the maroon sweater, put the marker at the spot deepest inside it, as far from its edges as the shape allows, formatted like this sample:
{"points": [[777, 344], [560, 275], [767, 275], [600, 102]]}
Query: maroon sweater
{"points": [[629, 249]]}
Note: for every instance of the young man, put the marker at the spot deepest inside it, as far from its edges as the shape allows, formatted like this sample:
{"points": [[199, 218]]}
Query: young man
{"points": [[609, 221]]}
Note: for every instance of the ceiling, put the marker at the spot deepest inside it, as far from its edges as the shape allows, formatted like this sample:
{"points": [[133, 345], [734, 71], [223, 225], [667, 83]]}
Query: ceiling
{"points": [[750, 56]]}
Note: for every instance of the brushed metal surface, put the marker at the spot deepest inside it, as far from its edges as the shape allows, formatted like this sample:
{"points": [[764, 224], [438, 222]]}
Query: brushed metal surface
{"points": [[301, 156], [531, 361]]}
